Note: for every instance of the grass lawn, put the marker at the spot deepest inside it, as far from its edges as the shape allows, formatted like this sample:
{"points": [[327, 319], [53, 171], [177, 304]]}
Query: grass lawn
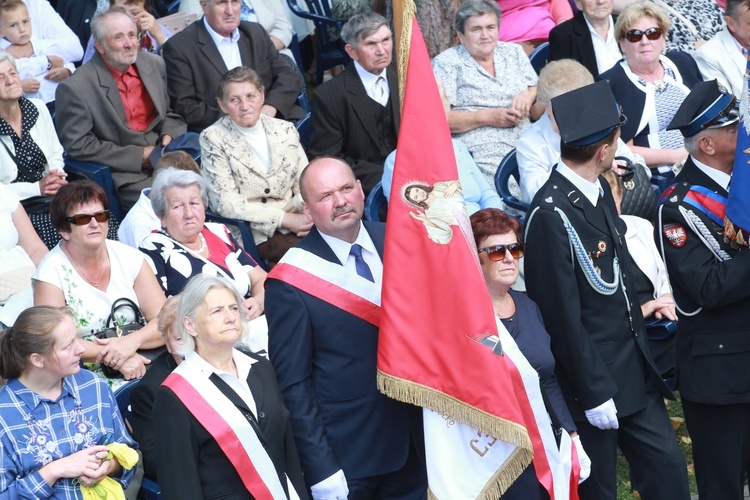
{"points": [[675, 412]]}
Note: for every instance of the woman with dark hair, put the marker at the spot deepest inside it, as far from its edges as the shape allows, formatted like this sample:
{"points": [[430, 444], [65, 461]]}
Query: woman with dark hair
{"points": [[498, 240], [221, 427], [252, 163], [88, 273], [56, 418]]}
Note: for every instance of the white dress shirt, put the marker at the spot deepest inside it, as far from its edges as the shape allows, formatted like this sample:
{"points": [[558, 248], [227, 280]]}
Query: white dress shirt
{"points": [[370, 254], [228, 47], [370, 81], [607, 51], [719, 177], [591, 190]]}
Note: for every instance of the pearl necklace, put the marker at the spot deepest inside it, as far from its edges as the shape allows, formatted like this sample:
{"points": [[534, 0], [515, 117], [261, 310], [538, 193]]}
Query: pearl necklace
{"points": [[202, 247]]}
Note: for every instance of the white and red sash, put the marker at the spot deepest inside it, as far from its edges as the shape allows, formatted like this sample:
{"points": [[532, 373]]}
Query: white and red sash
{"points": [[231, 430], [331, 283]]}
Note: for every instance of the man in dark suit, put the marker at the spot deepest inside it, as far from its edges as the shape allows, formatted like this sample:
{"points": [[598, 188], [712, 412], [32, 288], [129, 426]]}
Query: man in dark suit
{"points": [[578, 270], [322, 304], [589, 37], [198, 57], [357, 114], [115, 109], [709, 277]]}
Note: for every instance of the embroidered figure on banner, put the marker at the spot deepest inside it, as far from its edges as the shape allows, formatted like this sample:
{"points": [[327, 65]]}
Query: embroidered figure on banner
{"points": [[439, 207]]}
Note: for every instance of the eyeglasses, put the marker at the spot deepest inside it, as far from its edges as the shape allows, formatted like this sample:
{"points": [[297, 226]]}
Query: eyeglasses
{"points": [[635, 36], [83, 219], [498, 251]]}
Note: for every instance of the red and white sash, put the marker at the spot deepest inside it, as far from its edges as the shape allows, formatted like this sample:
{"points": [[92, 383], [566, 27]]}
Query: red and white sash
{"points": [[231, 430], [331, 283]]}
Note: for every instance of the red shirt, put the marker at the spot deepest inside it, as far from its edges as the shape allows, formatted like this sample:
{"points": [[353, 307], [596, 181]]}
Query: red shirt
{"points": [[139, 108]]}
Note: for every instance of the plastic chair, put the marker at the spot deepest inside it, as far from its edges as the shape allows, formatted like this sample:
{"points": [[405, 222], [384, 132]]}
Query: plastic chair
{"points": [[538, 57], [508, 168], [101, 174], [248, 242], [330, 52], [303, 128], [150, 490], [376, 205]]}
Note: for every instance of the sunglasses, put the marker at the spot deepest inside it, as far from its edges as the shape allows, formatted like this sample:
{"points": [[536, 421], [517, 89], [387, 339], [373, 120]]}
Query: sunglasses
{"points": [[83, 219], [635, 36], [498, 251]]}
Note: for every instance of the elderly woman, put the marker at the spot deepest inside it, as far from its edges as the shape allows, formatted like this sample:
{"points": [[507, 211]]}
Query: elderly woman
{"points": [[187, 245], [252, 164], [21, 251], [538, 149], [491, 86], [31, 162], [221, 426], [650, 86], [88, 273], [56, 417], [497, 238]]}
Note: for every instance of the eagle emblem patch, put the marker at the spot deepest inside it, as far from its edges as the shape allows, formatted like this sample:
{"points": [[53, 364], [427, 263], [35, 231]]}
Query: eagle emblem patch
{"points": [[676, 235]]}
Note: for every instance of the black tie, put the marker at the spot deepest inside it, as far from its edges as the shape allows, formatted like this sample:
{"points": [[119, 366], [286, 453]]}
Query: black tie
{"points": [[362, 268]]}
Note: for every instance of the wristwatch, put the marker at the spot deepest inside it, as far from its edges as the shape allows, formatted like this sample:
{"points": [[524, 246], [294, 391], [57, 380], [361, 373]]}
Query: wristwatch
{"points": [[49, 64]]}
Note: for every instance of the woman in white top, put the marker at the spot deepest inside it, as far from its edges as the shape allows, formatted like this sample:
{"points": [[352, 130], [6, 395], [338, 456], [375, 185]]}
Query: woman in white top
{"points": [[87, 272]]}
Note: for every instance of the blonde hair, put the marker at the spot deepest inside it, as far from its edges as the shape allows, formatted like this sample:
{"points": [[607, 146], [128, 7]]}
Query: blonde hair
{"points": [[637, 10], [559, 77]]}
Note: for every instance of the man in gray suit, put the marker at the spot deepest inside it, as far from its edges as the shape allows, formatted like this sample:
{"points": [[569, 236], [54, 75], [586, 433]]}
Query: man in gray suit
{"points": [[115, 109]]}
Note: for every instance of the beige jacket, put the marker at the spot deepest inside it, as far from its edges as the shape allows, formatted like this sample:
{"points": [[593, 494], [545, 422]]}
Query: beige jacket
{"points": [[238, 188]]}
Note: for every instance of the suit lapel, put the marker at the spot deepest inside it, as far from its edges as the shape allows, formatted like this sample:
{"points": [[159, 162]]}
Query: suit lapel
{"points": [[579, 201], [731, 48], [584, 44], [357, 95], [208, 47], [107, 82], [316, 244], [150, 78]]}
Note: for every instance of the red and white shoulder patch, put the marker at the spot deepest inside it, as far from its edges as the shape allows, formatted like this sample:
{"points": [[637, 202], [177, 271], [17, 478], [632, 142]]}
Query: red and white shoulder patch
{"points": [[676, 235]]}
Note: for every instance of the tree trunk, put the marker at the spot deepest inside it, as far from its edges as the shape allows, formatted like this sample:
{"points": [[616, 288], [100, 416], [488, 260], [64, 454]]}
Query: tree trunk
{"points": [[435, 19]]}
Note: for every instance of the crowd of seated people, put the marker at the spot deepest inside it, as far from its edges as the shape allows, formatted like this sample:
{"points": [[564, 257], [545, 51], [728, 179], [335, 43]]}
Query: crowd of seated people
{"points": [[230, 77]]}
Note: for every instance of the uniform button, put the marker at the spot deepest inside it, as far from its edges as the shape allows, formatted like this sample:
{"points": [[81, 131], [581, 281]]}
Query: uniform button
{"points": [[721, 346], [268, 190], [261, 414], [636, 335], [263, 200]]}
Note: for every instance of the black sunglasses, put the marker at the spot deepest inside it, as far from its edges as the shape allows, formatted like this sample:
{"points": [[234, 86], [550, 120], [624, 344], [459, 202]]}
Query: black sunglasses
{"points": [[498, 251], [635, 36], [83, 219]]}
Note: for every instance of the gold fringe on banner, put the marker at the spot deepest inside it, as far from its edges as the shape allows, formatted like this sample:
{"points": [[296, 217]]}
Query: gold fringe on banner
{"points": [[511, 432], [410, 12]]}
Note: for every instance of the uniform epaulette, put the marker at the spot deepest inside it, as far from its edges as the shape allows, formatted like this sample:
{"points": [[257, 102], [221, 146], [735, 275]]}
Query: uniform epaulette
{"points": [[675, 193]]}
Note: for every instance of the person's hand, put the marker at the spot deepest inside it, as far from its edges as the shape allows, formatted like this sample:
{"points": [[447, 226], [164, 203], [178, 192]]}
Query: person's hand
{"points": [[451, 189], [603, 416], [165, 140], [52, 182], [583, 459], [116, 350], [297, 223], [30, 85], [146, 22], [77, 464], [662, 307], [333, 487], [146, 161], [134, 367], [57, 74], [106, 467], [420, 216], [522, 102], [677, 155], [21, 51], [269, 110], [252, 308], [503, 117], [276, 42]]}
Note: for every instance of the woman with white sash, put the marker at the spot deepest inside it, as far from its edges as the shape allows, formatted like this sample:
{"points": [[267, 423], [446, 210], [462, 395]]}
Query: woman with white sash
{"points": [[222, 430], [525, 342]]}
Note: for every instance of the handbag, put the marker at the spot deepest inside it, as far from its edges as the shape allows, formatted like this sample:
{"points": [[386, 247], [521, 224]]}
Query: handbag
{"points": [[115, 330], [37, 205], [638, 197]]}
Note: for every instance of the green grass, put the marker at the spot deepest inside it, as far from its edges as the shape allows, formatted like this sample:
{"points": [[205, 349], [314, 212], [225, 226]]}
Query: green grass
{"points": [[674, 408]]}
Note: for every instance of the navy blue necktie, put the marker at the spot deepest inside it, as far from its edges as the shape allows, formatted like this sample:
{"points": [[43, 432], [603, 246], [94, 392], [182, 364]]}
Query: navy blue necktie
{"points": [[362, 268]]}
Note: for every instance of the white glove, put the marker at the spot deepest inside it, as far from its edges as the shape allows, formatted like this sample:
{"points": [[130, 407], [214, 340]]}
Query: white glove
{"points": [[331, 488], [603, 416], [583, 459]]}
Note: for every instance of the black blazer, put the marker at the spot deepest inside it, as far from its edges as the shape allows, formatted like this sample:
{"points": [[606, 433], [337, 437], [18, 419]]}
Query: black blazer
{"points": [[191, 465], [713, 346], [325, 359], [343, 127], [195, 68], [142, 409], [598, 356], [572, 40]]}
